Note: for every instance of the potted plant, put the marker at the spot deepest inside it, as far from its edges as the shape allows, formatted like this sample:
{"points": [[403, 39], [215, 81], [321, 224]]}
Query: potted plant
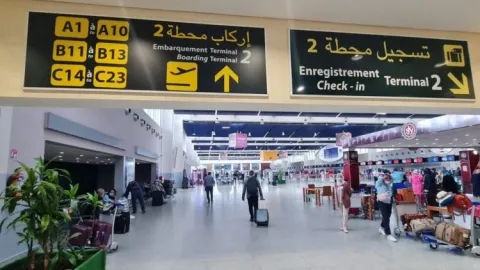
{"points": [[39, 210]]}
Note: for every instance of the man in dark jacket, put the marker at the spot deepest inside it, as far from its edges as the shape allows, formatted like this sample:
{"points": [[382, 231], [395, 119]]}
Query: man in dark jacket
{"points": [[430, 185], [448, 183], [252, 188], [137, 194]]}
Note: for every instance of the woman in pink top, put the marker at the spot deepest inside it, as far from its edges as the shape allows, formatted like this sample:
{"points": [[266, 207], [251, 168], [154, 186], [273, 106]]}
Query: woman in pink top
{"points": [[417, 186]]}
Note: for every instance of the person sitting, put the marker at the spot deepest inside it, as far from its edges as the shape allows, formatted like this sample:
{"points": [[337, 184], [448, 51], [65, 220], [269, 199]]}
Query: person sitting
{"points": [[104, 197], [112, 194]]}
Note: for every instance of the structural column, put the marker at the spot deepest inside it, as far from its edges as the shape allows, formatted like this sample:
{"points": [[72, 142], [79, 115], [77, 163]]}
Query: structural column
{"points": [[468, 162], [124, 173], [351, 171]]}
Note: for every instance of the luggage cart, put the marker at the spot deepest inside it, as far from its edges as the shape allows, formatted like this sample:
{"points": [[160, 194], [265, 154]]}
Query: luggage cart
{"points": [[109, 217], [398, 209], [434, 243], [475, 229]]}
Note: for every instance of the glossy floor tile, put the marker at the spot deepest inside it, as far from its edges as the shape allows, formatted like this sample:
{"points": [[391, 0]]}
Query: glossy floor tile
{"points": [[188, 233]]}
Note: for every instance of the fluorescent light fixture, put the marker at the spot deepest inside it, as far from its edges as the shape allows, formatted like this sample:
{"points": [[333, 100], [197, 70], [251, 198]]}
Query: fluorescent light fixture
{"points": [[300, 88], [381, 113], [225, 127]]}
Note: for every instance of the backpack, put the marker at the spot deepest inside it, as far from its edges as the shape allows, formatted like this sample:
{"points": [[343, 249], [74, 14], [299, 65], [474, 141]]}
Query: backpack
{"points": [[252, 187], [460, 205]]}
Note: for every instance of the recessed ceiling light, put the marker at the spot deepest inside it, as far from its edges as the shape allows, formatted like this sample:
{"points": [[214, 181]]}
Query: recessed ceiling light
{"points": [[88, 161], [60, 156], [96, 157], [81, 155], [436, 139], [417, 139], [417, 143], [108, 159], [393, 144], [450, 143], [433, 143], [474, 139], [78, 158], [61, 159], [61, 153], [467, 134], [455, 139]]}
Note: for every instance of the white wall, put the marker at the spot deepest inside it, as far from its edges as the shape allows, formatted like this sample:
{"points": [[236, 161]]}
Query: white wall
{"points": [[174, 137]]}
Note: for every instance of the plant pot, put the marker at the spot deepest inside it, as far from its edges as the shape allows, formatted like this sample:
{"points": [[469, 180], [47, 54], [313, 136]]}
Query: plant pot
{"points": [[96, 260]]}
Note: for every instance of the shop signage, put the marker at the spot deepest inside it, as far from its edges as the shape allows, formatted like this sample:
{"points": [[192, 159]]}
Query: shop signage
{"points": [[237, 140], [441, 151], [102, 53], [361, 65], [268, 155], [342, 138], [409, 131], [419, 160]]}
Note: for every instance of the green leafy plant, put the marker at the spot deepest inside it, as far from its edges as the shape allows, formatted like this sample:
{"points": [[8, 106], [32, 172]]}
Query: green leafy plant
{"points": [[39, 211]]}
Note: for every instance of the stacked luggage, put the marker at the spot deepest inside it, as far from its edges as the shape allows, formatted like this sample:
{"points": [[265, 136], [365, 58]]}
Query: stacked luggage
{"points": [[452, 234], [91, 233], [169, 189]]}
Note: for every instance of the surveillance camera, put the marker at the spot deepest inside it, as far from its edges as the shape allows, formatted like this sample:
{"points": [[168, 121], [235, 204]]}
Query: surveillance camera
{"points": [[128, 111], [149, 127], [153, 130], [135, 117], [142, 122]]}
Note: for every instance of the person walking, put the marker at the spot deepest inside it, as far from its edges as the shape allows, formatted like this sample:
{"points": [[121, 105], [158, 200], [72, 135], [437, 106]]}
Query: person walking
{"points": [[252, 188], [136, 191], [344, 192], [209, 182], [385, 199], [418, 190]]}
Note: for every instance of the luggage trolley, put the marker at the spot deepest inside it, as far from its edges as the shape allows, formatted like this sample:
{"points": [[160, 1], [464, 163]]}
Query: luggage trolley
{"points": [[109, 217], [475, 229]]}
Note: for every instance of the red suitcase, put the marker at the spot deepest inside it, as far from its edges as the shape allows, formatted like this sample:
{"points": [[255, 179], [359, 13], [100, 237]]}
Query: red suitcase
{"points": [[101, 233], [82, 239]]}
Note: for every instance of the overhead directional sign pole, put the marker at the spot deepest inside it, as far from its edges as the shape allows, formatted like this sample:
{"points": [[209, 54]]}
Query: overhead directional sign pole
{"points": [[361, 65], [77, 52]]}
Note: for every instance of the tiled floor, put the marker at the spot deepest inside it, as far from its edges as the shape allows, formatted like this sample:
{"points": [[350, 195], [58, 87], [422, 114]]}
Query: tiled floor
{"points": [[187, 233]]}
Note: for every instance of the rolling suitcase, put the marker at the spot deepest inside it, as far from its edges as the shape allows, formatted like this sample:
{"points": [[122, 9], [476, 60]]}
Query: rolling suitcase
{"points": [[122, 223], [157, 198], [261, 217], [82, 239]]}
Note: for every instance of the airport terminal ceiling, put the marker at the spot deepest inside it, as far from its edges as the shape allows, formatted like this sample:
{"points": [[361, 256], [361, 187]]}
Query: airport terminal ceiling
{"points": [[291, 132], [419, 14]]}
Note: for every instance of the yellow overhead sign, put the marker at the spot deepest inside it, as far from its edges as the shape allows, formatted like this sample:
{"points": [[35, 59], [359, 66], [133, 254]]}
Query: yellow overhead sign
{"points": [[268, 155]]}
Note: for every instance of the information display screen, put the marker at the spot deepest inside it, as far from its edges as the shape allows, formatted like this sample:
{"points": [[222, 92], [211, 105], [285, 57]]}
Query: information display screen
{"points": [[330, 153]]}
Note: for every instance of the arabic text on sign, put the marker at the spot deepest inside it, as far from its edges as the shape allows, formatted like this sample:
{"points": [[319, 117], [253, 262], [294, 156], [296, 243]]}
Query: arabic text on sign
{"points": [[228, 36]]}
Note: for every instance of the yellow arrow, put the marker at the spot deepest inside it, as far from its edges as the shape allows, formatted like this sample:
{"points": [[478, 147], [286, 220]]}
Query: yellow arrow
{"points": [[226, 73], [462, 85]]}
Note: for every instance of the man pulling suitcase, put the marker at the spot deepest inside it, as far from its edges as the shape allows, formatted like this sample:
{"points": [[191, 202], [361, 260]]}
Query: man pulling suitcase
{"points": [[252, 188]]}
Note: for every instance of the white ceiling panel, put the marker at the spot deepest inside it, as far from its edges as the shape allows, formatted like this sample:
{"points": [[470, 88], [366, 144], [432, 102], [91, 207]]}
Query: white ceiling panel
{"points": [[461, 15]]}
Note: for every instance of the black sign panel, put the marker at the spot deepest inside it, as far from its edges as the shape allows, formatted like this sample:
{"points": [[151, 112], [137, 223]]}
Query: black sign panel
{"points": [[344, 64], [88, 52]]}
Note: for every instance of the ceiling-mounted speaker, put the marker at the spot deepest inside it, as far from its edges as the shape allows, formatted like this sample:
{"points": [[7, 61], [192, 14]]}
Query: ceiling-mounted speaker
{"points": [[148, 126], [128, 111], [142, 122], [135, 117], [153, 130]]}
